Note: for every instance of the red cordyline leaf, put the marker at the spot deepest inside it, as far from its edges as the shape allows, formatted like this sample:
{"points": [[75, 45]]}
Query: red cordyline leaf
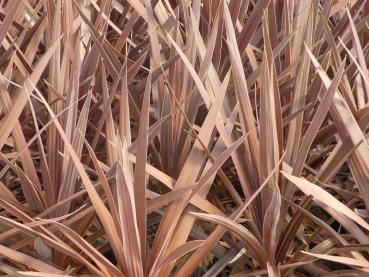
{"points": [[180, 138]]}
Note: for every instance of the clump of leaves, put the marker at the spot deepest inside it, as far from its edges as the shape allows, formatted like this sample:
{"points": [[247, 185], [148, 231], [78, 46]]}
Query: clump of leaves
{"points": [[184, 138]]}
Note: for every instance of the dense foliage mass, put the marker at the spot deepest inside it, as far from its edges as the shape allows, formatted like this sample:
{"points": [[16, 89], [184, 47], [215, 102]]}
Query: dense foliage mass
{"points": [[184, 138]]}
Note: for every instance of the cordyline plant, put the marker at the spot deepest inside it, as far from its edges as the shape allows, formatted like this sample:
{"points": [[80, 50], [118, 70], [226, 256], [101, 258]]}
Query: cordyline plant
{"points": [[184, 138]]}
